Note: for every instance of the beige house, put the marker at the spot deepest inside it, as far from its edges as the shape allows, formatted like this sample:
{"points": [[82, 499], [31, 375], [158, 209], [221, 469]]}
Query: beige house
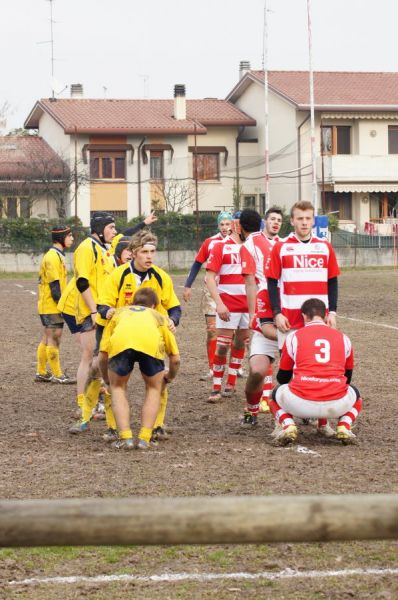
{"points": [[356, 129], [134, 155], [33, 179]]}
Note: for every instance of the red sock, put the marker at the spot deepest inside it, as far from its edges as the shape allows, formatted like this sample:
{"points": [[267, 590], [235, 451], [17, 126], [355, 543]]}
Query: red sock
{"points": [[350, 416], [211, 350], [267, 386], [322, 422], [253, 402], [220, 362], [235, 363], [282, 417]]}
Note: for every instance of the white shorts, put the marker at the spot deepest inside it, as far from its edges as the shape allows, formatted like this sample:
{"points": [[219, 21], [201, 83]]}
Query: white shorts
{"points": [[282, 337], [236, 321], [207, 303], [313, 409], [262, 345]]}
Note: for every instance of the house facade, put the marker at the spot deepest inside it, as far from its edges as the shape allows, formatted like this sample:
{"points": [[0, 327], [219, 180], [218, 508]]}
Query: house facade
{"points": [[356, 131], [132, 156]]}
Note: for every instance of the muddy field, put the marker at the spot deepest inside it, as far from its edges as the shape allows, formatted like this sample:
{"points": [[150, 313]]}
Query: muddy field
{"points": [[208, 454]]}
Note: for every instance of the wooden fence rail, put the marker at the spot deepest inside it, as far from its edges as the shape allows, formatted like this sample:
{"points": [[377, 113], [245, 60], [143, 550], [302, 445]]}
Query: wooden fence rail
{"points": [[198, 520]]}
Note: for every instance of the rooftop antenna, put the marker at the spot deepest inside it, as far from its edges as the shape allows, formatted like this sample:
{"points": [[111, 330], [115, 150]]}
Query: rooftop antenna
{"points": [[145, 84], [51, 42], [105, 90], [312, 110], [266, 109]]}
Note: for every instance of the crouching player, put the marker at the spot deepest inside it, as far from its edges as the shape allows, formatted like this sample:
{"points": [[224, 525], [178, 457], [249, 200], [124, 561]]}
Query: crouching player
{"points": [[139, 334], [315, 373]]}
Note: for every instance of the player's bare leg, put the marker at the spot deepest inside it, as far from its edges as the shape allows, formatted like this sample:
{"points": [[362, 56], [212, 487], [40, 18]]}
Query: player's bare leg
{"points": [[121, 409], [211, 343], [150, 408], [224, 340]]}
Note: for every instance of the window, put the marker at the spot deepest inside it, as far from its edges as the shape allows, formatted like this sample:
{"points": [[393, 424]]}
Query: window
{"points": [[339, 203], [14, 207], [206, 166], [156, 164], [107, 165], [249, 202], [393, 139], [336, 139]]}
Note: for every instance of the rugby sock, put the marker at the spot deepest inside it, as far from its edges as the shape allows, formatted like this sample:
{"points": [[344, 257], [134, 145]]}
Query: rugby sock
{"points": [[162, 409], [267, 386], [90, 399], [211, 350], [41, 359], [220, 362], [53, 360], [80, 400], [322, 422], [282, 417], [253, 402], [350, 416], [145, 434], [125, 434], [109, 416], [235, 363]]}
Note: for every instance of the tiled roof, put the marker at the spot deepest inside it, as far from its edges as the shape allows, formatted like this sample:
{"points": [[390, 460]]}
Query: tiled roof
{"points": [[28, 157], [335, 88], [137, 116]]}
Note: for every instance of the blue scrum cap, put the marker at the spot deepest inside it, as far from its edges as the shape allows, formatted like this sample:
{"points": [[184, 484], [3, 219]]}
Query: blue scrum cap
{"points": [[224, 216]]}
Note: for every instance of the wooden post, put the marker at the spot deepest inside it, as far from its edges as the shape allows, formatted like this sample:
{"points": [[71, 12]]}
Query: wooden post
{"points": [[198, 520]]}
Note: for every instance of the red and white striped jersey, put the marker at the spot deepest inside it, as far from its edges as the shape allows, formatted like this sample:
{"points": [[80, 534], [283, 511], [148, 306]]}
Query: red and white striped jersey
{"points": [[225, 261], [319, 357], [207, 246], [255, 254], [303, 270]]}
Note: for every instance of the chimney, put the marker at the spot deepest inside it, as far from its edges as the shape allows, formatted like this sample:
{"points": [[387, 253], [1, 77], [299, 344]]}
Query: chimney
{"points": [[180, 106], [244, 67], [76, 90]]}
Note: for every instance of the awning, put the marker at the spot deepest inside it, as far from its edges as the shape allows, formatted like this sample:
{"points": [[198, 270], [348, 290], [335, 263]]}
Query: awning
{"points": [[365, 187], [374, 116]]}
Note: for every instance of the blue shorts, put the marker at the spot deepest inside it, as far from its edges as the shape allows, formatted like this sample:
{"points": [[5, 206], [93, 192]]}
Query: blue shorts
{"points": [[71, 323], [53, 321], [123, 363]]}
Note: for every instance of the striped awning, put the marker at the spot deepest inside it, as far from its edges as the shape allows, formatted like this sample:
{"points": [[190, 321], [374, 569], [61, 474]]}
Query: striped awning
{"points": [[366, 187], [373, 116]]}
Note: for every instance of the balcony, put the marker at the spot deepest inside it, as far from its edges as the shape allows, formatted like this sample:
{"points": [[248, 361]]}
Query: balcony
{"points": [[356, 168]]}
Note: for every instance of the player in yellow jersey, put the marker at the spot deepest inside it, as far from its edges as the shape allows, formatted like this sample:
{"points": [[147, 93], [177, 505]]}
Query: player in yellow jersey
{"points": [[137, 333], [52, 282], [93, 263]]}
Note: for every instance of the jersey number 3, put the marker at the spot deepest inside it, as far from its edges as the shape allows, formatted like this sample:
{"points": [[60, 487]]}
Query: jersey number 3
{"points": [[324, 351]]}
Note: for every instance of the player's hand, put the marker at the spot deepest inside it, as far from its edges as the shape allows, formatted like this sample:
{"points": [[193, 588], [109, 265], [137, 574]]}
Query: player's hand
{"points": [[282, 323], [172, 326], [187, 294], [223, 311], [151, 218], [94, 318], [110, 313], [331, 320]]}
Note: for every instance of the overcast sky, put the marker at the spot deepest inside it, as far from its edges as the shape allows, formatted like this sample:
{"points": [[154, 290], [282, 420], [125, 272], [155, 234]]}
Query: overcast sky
{"points": [[141, 48]]}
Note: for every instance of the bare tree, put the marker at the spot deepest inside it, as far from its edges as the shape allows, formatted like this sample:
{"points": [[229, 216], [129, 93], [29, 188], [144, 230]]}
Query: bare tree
{"points": [[173, 195]]}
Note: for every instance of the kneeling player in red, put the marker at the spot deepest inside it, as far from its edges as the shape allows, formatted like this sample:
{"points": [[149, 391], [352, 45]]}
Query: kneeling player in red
{"points": [[315, 373]]}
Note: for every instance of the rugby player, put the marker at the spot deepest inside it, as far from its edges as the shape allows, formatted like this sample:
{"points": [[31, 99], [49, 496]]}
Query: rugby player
{"points": [[224, 228], [226, 285], [52, 282], [139, 334], [315, 374], [255, 253]]}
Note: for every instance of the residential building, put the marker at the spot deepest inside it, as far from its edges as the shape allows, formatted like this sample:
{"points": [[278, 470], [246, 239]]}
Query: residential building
{"points": [[356, 133], [33, 179], [135, 155]]}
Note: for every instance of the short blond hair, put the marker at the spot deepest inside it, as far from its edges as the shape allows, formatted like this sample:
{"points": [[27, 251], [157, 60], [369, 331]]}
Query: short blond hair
{"points": [[141, 238], [302, 205]]}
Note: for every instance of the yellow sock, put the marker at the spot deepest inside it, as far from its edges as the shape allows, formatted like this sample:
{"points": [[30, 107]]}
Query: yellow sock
{"points": [[126, 434], [162, 409], [109, 416], [80, 400], [53, 360], [41, 359], [145, 434], [90, 399]]}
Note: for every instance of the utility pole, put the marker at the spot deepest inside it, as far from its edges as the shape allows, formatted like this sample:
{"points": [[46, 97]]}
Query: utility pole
{"points": [[312, 112], [266, 111]]}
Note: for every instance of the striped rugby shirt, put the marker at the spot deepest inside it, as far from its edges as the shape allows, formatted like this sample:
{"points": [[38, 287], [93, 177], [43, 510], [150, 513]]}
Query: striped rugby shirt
{"points": [[225, 261], [303, 270]]}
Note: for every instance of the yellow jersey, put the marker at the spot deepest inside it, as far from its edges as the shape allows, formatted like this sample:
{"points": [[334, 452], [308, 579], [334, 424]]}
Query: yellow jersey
{"points": [[67, 302], [93, 262], [120, 287], [52, 268], [141, 329]]}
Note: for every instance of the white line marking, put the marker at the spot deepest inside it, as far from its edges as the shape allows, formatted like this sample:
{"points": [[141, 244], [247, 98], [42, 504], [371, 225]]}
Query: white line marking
{"points": [[30, 292], [19, 285], [175, 577], [369, 322]]}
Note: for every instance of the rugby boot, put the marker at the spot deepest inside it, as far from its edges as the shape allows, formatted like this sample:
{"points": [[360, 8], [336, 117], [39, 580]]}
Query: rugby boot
{"points": [[123, 444], [264, 408], [64, 379], [214, 397], [326, 431], [79, 427], [248, 421], [286, 436], [39, 378], [110, 435], [345, 435]]}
